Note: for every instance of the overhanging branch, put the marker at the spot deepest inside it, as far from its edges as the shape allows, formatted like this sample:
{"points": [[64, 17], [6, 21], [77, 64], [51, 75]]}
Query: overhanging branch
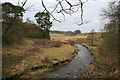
{"points": [[73, 8]]}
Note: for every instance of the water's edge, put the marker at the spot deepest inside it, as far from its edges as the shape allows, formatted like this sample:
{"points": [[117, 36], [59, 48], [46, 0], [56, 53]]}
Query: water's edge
{"points": [[76, 67]]}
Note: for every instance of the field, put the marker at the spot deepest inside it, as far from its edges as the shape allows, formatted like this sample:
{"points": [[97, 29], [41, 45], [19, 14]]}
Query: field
{"points": [[105, 64], [63, 37], [35, 56]]}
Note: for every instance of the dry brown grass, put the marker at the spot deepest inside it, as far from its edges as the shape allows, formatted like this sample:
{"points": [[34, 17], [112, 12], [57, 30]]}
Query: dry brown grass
{"points": [[32, 54], [105, 64], [64, 38]]}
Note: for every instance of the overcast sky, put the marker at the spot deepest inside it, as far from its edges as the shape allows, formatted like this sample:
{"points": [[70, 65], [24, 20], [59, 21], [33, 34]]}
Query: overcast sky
{"points": [[92, 10]]}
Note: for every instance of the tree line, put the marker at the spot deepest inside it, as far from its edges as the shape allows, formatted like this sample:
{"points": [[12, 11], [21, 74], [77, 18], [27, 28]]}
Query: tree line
{"points": [[14, 29], [66, 32]]}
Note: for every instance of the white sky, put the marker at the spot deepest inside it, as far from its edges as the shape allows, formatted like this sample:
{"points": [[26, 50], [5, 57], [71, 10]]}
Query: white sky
{"points": [[92, 10]]}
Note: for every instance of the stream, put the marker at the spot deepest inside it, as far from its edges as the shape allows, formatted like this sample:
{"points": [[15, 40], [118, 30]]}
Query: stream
{"points": [[75, 68]]}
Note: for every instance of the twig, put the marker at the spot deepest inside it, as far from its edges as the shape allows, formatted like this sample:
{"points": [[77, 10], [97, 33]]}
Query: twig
{"points": [[73, 8], [48, 11]]}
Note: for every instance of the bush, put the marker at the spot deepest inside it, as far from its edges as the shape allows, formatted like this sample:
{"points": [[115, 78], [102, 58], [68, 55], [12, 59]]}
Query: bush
{"points": [[32, 31], [17, 37], [56, 44], [72, 43], [76, 32], [110, 41], [26, 31]]}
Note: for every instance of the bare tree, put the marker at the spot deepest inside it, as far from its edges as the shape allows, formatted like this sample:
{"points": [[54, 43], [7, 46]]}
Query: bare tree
{"points": [[70, 9]]}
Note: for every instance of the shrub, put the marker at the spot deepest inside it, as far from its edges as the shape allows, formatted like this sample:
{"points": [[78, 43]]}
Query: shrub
{"points": [[76, 32], [56, 44], [72, 43]]}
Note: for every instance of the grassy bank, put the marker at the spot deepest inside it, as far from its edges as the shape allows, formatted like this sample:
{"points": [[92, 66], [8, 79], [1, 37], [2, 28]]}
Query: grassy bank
{"points": [[63, 37], [105, 64], [35, 56]]}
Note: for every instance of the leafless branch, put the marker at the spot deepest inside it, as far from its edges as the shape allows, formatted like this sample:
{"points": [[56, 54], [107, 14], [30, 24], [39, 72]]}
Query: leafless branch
{"points": [[55, 8], [48, 11], [28, 8], [73, 8]]}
